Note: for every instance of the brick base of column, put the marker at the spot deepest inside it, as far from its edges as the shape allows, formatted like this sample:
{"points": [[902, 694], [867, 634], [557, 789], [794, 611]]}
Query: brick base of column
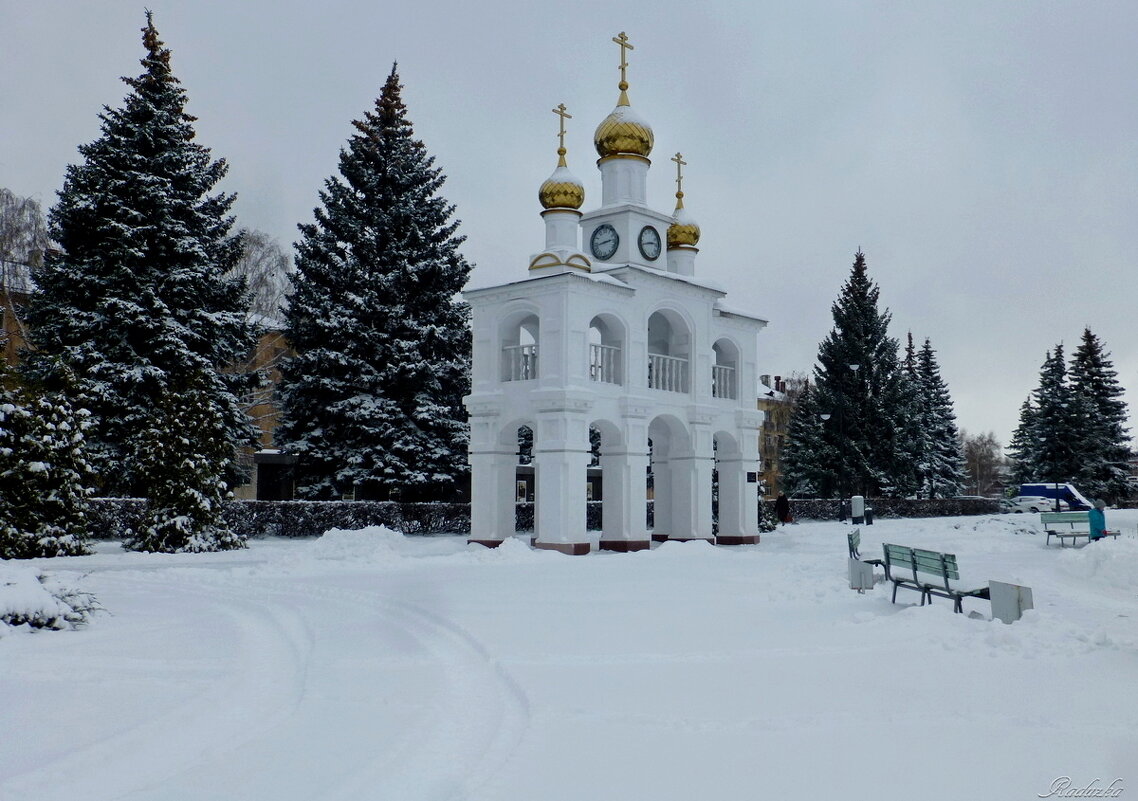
{"points": [[748, 539], [625, 546], [571, 548], [487, 543]]}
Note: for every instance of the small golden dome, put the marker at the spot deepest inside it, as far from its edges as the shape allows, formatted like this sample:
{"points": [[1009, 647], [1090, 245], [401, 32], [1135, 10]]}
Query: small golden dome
{"points": [[623, 132], [561, 190], [684, 231]]}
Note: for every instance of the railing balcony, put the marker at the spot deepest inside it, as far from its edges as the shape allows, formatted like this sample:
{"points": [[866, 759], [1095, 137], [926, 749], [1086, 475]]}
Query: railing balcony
{"points": [[519, 362], [667, 373], [604, 363], [723, 382]]}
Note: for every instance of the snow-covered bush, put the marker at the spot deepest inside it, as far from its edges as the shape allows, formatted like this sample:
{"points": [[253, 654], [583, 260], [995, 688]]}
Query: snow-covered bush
{"points": [[43, 472], [183, 461], [30, 597]]}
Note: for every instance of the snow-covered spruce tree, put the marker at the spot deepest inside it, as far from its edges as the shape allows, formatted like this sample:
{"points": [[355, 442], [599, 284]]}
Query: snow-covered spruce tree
{"points": [[865, 437], [943, 468], [138, 299], [1023, 448], [1059, 419], [916, 439], [44, 475], [372, 402], [806, 471], [186, 450], [1104, 442]]}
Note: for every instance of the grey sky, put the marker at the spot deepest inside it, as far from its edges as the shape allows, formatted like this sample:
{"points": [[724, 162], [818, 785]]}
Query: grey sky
{"points": [[982, 153]]}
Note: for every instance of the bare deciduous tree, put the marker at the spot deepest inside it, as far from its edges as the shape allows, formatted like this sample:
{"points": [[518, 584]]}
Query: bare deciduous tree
{"points": [[982, 461], [23, 239], [265, 268]]}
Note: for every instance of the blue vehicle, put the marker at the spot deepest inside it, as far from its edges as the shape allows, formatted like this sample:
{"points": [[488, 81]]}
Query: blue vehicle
{"points": [[1067, 493]]}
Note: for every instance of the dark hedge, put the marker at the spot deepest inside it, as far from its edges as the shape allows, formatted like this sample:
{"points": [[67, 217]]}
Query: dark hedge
{"points": [[827, 508], [111, 517]]}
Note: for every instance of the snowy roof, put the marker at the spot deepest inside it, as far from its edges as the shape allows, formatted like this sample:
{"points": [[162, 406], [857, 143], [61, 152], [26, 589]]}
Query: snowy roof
{"points": [[731, 311]]}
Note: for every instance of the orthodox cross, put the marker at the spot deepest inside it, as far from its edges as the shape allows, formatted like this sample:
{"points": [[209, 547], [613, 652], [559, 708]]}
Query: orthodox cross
{"points": [[622, 40], [564, 115], [680, 164]]}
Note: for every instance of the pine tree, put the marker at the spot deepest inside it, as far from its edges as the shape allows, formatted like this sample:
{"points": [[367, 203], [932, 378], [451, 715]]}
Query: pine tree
{"points": [[1104, 441], [372, 403], [1023, 448], [137, 300], [806, 470], [860, 383], [186, 453], [44, 474], [1058, 421], [943, 460], [915, 443]]}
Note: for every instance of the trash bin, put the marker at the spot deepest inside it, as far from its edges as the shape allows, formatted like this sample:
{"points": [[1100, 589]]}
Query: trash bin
{"points": [[857, 510], [869, 515]]}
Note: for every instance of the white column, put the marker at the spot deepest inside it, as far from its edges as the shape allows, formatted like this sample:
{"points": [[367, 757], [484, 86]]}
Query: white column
{"points": [[691, 497], [561, 462], [738, 501], [625, 490], [691, 487], [492, 476]]}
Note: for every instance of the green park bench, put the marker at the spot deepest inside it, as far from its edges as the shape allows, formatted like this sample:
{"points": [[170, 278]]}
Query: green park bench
{"points": [[903, 564], [854, 541], [1078, 526]]}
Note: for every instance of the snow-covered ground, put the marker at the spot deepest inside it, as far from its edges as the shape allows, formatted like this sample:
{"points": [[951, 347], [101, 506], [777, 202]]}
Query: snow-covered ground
{"points": [[364, 665]]}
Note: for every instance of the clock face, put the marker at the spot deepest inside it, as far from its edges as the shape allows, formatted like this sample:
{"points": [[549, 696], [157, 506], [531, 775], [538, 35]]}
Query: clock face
{"points": [[604, 241], [649, 242]]}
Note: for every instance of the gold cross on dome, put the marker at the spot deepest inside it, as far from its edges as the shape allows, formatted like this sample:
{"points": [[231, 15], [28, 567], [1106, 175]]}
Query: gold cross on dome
{"points": [[680, 164], [564, 115], [625, 46]]}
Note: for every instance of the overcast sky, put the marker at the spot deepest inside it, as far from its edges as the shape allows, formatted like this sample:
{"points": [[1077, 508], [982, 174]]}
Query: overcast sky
{"points": [[983, 153]]}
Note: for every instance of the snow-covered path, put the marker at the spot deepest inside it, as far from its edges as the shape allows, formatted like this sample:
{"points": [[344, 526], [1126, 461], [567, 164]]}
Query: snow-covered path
{"points": [[369, 666]]}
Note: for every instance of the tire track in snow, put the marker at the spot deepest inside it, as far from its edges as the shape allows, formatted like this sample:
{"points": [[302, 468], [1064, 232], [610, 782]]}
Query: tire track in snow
{"points": [[268, 682], [473, 727], [469, 719]]}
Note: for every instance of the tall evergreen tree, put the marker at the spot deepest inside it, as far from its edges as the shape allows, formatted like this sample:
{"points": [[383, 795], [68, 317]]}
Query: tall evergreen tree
{"points": [[44, 475], [1104, 441], [372, 402], [137, 300], [1023, 448], [859, 382], [943, 460], [1058, 421], [915, 442]]}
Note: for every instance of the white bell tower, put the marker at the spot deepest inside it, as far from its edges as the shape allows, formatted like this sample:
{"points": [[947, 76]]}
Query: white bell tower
{"points": [[611, 332]]}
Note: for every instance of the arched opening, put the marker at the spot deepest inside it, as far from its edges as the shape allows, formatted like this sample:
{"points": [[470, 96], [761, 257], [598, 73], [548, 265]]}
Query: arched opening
{"points": [[670, 476], [725, 371], [735, 491], [669, 352], [519, 347], [606, 343], [524, 477]]}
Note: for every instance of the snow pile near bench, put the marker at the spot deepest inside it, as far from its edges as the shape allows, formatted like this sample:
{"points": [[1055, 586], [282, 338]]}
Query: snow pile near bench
{"points": [[33, 599], [1110, 562]]}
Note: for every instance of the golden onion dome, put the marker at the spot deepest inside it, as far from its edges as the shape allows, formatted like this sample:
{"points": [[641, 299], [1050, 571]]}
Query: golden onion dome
{"points": [[561, 190], [684, 231], [623, 133]]}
